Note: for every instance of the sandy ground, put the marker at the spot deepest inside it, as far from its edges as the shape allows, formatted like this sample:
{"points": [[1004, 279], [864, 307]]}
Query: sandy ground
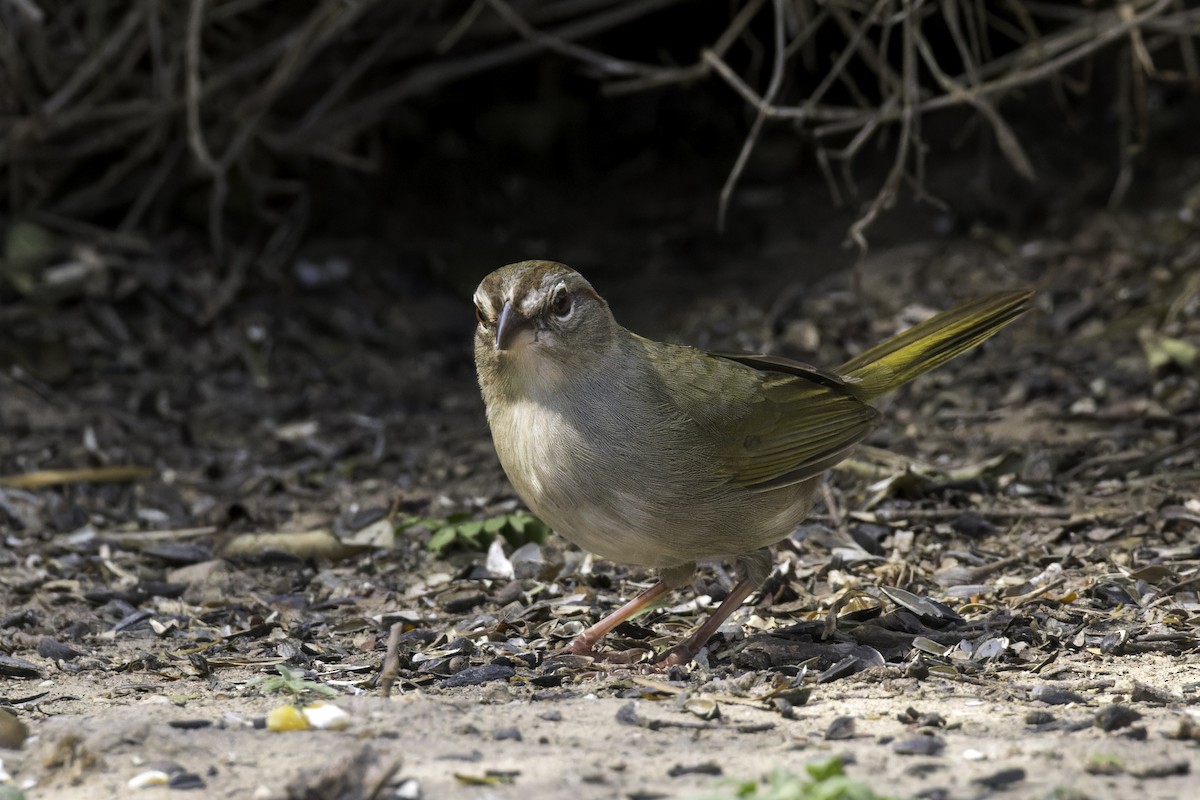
{"points": [[570, 743]]}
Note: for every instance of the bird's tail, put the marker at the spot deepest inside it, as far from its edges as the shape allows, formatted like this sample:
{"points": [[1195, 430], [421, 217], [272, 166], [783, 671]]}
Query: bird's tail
{"points": [[890, 364]]}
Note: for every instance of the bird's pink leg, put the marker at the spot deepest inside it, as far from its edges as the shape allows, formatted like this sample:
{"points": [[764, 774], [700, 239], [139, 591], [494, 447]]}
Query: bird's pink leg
{"points": [[584, 644], [681, 654]]}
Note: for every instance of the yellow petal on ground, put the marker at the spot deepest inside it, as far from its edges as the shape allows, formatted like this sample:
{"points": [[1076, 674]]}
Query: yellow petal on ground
{"points": [[286, 718]]}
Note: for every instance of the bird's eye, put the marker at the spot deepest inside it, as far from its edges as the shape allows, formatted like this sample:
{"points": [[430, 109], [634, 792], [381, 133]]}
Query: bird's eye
{"points": [[560, 306], [479, 315]]}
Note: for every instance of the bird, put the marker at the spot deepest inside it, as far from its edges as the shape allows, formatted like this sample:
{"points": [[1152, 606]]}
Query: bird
{"points": [[663, 455]]}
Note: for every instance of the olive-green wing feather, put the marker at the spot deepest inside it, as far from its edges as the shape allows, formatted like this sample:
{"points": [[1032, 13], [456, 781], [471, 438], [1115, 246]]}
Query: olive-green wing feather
{"points": [[809, 418], [767, 421], [804, 422], [931, 343], [775, 422]]}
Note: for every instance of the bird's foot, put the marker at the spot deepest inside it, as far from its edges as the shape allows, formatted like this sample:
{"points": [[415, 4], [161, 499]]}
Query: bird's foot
{"points": [[579, 647], [678, 656], [582, 647]]}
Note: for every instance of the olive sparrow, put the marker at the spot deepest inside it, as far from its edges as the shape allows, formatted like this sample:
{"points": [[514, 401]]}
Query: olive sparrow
{"points": [[659, 454]]}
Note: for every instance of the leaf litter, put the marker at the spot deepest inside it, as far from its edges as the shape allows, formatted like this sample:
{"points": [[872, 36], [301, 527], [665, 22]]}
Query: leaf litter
{"points": [[1020, 538]]}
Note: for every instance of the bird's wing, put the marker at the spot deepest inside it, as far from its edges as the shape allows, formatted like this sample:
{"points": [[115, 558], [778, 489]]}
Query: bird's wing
{"points": [[804, 423], [773, 422]]}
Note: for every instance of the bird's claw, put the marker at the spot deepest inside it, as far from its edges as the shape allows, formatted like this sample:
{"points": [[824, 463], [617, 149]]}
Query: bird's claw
{"points": [[677, 656], [580, 647]]}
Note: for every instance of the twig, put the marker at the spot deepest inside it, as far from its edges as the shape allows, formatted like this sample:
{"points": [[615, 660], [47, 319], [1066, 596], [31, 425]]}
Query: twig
{"points": [[459, 29], [358, 115], [1023, 599], [799, 113], [116, 104], [607, 64], [57, 477], [842, 120], [89, 69], [354, 72], [756, 127], [909, 122], [1005, 138], [391, 660], [152, 187], [694, 71], [200, 151], [940, 514]]}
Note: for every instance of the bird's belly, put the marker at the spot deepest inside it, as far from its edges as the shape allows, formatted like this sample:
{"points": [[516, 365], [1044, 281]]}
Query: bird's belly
{"points": [[627, 533], [654, 513], [585, 495]]}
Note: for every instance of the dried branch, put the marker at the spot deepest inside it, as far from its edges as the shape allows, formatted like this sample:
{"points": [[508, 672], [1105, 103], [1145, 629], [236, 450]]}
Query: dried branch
{"points": [[756, 128], [153, 97]]}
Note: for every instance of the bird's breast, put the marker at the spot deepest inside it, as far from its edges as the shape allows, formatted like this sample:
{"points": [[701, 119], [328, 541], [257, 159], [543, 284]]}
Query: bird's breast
{"points": [[582, 485]]}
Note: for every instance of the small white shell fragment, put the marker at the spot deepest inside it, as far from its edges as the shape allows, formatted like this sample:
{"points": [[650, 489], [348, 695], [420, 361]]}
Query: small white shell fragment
{"points": [[703, 707], [408, 790], [151, 777], [971, 754], [497, 563], [326, 717]]}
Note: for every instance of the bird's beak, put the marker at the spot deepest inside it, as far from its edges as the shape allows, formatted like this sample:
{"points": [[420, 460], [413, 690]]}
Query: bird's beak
{"points": [[512, 329]]}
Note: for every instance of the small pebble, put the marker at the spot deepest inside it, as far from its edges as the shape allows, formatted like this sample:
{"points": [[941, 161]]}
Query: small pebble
{"points": [[14, 667], [1054, 696], [1068, 793], [919, 746], [56, 650], [706, 708], [707, 768], [1103, 764], [189, 724], [1002, 779], [1038, 718], [840, 728], [483, 673], [1188, 730], [1149, 694], [934, 793], [12, 730], [1110, 718], [508, 735], [509, 593], [186, 780], [1166, 770]]}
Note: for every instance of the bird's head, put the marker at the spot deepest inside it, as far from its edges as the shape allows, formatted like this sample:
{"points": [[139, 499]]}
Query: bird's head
{"points": [[539, 322]]}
